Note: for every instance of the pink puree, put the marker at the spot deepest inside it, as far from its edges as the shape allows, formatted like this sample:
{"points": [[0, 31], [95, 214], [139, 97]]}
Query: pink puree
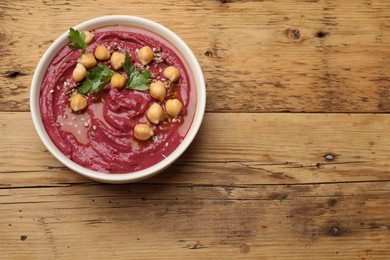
{"points": [[101, 138]]}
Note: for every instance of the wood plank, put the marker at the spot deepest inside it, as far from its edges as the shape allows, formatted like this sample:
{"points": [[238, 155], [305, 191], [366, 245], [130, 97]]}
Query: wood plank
{"points": [[257, 56], [238, 148], [332, 221]]}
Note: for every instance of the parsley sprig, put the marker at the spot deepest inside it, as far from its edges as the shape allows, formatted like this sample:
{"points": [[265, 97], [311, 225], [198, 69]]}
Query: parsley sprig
{"points": [[97, 78], [78, 40], [136, 79]]}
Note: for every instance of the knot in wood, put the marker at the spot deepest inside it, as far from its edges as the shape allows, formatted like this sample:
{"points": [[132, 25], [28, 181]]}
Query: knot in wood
{"points": [[321, 34], [13, 74], [212, 53], [329, 157], [292, 34], [335, 231]]}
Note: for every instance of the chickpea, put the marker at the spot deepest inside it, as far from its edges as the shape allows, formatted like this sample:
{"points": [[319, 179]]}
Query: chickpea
{"points": [[155, 113], [88, 60], [171, 73], [79, 72], [102, 53], [117, 60], [88, 37], [145, 55], [118, 81], [158, 90], [143, 132], [173, 107], [78, 102]]}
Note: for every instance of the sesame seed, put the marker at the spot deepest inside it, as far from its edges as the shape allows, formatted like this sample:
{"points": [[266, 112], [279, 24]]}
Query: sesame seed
{"points": [[51, 91], [94, 127], [86, 124], [79, 132], [163, 156], [64, 116], [92, 134], [76, 125], [58, 87]]}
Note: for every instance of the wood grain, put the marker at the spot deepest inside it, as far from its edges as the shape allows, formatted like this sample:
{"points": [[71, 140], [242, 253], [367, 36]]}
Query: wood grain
{"points": [[257, 182], [257, 56], [232, 149], [145, 221]]}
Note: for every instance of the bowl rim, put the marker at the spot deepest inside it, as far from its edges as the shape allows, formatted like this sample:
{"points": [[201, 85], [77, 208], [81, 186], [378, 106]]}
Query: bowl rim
{"points": [[145, 24]]}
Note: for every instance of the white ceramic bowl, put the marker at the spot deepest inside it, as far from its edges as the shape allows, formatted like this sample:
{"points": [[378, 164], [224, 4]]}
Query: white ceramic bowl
{"points": [[139, 23]]}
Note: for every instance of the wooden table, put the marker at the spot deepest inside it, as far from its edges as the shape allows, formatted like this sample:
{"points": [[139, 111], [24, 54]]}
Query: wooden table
{"points": [[291, 161]]}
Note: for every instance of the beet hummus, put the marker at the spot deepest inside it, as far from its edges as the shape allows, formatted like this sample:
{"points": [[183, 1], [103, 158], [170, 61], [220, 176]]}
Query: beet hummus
{"points": [[100, 131]]}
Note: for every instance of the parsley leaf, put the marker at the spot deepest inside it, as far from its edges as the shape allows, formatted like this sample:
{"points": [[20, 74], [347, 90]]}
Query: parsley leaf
{"points": [[98, 78], [127, 66], [78, 39], [136, 79]]}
